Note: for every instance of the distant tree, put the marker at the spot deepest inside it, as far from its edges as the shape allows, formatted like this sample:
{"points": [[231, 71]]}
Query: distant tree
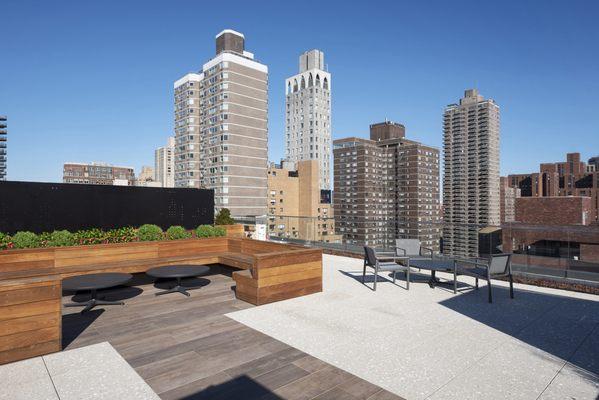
{"points": [[224, 217]]}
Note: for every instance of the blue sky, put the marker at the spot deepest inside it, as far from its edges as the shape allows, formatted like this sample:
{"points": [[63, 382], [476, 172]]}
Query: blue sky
{"points": [[92, 81]]}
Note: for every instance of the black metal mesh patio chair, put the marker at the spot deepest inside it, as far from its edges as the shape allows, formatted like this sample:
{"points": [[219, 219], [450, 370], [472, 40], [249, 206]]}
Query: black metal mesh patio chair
{"points": [[382, 262], [497, 266]]}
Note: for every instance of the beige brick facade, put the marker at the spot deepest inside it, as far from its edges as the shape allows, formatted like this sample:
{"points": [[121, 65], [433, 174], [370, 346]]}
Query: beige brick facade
{"points": [[297, 207]]}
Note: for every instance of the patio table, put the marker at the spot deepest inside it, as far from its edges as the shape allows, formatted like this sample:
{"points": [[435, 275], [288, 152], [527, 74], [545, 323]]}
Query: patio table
{"points": [[177, 272], [93, 283], [434, 265]]}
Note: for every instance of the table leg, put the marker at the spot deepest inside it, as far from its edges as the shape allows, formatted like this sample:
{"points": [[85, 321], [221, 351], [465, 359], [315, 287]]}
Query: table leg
{"points": [[176, 288], [433, 281], [92, 302]]}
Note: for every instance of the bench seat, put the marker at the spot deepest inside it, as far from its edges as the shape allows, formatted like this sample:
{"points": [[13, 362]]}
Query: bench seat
{"points": [[30, 279]]}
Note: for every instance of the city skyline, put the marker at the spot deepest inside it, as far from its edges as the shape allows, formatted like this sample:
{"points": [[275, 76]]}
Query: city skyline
{"points": [[517, 71]]}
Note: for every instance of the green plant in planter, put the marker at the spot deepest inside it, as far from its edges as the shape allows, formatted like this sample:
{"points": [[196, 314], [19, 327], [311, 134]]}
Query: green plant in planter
{"points": [[121, 235], [5, 241], [149, 232], [204, 231], [25, 240], [219, 231], [44, 239], [61, 238], [177, 232], [89, 236], [224, 217]]}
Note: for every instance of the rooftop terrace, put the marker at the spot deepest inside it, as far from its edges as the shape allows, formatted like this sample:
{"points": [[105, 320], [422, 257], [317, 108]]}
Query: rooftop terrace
{"points": [[347, 342]]}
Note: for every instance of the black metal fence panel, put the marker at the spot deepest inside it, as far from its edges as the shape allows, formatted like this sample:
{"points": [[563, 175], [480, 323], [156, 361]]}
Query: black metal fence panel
{"points": [[45, 207]]}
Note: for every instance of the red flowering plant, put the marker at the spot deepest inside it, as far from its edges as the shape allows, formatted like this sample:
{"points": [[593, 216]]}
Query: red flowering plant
{"points": [[121, 235], [90, 236], [5, 241]]}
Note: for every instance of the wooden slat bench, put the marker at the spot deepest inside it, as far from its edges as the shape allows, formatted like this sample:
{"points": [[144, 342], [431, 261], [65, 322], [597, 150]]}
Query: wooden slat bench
{"points": [[30, 288]]}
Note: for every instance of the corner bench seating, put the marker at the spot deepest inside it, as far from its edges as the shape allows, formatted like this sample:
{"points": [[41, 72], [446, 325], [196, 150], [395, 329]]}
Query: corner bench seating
{"points": [[30, 288]]}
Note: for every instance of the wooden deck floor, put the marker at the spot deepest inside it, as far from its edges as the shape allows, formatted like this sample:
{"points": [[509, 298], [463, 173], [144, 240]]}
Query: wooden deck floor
{"points": [[186, 348]]}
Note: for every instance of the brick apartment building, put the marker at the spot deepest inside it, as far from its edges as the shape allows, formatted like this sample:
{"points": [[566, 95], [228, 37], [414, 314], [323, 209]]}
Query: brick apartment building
{"points": [[98, 174], [569, 178], [555, 232], [386, 187], [297, 207]]}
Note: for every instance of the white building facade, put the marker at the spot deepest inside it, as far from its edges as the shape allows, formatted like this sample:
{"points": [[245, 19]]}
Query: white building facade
{"points": [[164, 164], [308, 114]]}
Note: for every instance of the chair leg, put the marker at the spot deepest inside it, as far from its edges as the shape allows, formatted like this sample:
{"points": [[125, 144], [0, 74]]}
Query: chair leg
{"points": [[394, 272], [408, 277], [376, 272], [511, 287], [490, 294], [476, 283], [455, 279], [364, 273]]}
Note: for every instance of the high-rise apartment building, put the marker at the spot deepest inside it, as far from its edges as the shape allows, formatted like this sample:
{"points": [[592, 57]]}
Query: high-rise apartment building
{"points": [[221, 128], [386, 187], [308, 114], [3, 151], [164, 164], [297, 207], [507, 200], [98, 174], [471, 177], [566, 178]]}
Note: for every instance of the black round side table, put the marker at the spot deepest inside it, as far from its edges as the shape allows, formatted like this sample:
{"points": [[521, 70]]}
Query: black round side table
{"points": [[177, 272], [93, 283]]}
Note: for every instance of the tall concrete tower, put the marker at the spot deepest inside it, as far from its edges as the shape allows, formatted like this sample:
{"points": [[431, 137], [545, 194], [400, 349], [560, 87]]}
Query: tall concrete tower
{"points": [[471, 176], [164, 164], [308, 114], [221, 128]]}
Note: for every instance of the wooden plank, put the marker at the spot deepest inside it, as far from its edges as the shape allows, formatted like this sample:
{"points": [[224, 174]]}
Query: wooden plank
{"points": [[34, 350], [24, 283], [265, 298], [236, 230], [290, 286], [108, 247], [289, 278], [105, 259], [25, 265], [105, 249], [234, 245], [288, 257], [26, 255], [244, 278], [31, 323], [28, 338], [289, 269], [28, 309], [25, 273], [29, 295], [246, 296]]}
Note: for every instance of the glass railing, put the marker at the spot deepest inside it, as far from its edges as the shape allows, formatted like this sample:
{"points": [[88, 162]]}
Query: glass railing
{"points": [[539, 252]]}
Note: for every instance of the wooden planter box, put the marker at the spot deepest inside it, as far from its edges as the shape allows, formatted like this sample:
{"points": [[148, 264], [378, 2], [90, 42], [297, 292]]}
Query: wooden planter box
{"points": [[30, 279]]}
